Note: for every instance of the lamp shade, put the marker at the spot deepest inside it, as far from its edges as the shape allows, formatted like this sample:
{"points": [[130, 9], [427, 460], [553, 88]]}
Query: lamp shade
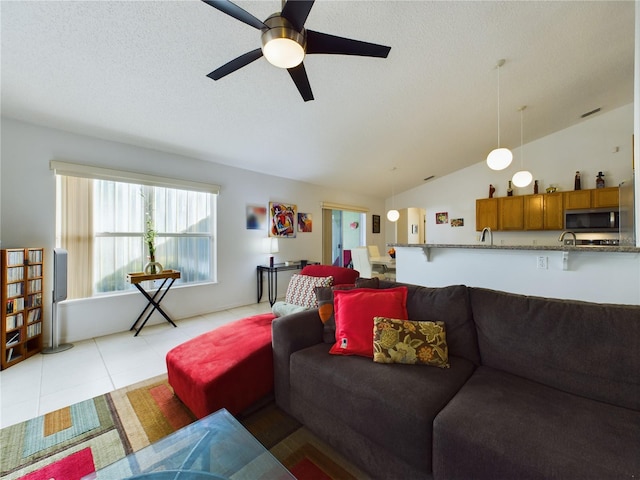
{"points": [[522, 178], [499, 158], [393, 215], [270, 245]]}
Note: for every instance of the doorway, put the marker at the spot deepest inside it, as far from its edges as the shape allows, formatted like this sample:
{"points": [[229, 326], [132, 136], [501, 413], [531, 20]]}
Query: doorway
{"points": [[342, 231]]}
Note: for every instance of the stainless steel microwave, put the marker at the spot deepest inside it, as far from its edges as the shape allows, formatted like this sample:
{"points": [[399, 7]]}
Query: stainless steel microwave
{"points": [[592, 220]]}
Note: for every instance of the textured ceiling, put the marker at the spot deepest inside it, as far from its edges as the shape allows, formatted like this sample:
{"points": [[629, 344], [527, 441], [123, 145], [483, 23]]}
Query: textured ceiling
{"points": [[136, 71]]}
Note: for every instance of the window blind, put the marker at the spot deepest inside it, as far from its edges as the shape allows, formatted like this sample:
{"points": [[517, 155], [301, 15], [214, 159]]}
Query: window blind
{"points": [[99, 173]]}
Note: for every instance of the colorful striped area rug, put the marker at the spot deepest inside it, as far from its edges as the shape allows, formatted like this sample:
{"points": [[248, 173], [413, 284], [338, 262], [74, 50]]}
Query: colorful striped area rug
{"points": [[74, 441]]}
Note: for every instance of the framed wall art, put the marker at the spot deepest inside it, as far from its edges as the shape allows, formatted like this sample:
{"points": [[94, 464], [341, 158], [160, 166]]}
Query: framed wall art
{"points": [[442, 217], [305, 223], [256, 217], [282, 219], [375, 223]]}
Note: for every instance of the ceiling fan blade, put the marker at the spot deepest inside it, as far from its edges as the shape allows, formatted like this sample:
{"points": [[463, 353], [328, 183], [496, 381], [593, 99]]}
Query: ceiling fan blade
{"points": [[324, 43], [299, 77], [235, 64], [297, 11], [236, 12]]}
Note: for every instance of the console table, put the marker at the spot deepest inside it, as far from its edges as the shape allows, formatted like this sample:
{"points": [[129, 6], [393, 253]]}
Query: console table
{"points": [[272, 277], [166, 276]]}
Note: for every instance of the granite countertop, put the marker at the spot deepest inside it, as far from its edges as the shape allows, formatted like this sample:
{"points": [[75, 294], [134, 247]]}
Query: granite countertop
{"points": [[559, 248]]}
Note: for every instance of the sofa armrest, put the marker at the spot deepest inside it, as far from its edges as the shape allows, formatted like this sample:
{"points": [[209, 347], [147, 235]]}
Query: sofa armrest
{"points": [[288, 335]]}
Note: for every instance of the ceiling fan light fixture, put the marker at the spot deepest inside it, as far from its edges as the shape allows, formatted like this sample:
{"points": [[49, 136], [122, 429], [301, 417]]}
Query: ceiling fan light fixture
{"points": [[282, 46]]}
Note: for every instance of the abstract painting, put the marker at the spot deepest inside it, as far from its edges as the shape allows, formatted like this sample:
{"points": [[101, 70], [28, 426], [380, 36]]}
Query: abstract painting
{"points": [[304, 222], [282, 219], [256, 217]]}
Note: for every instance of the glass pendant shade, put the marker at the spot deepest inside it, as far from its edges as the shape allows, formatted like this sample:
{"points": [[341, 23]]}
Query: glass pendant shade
{"points": [[499, 159], [522, 178], [393, 215]]}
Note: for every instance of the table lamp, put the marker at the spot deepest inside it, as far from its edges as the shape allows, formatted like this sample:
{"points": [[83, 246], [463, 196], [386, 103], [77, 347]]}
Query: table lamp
{"points": [[270, 246]]}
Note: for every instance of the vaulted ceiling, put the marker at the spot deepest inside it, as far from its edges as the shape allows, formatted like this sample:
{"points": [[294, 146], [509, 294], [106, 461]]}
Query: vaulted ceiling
{"points": [[135, 72]]}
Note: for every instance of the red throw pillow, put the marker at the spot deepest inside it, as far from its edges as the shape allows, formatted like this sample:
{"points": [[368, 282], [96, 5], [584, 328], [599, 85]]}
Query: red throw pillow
{"points": [[354, 313]]}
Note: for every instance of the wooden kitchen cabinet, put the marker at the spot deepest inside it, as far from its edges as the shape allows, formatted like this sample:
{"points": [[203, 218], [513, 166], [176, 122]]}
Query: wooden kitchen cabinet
{"points": [[554, 211], [577, 199], [511, 213], [605, 197], [487, 213], [543, 212], [593, 198], [534, 212]]}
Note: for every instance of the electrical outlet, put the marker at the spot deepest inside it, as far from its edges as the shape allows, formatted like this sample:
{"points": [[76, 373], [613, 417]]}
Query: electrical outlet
{"points": [[542, 263]]}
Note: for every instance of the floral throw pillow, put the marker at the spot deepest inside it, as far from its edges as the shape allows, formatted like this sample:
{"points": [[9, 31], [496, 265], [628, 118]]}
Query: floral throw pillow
{"points": [[410, 342]]}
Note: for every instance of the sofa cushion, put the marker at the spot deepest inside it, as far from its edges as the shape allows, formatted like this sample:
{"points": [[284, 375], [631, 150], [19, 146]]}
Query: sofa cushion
{"points": [[324, 296], [410, 342], [500, 426], [341, 275], [354, 313], [450, 305], [280, 309], [584, 348], [391, 405], [301, 289]]}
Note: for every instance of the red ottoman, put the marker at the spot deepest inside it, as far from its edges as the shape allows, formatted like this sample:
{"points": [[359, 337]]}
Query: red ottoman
{"points": [[230, 367]]}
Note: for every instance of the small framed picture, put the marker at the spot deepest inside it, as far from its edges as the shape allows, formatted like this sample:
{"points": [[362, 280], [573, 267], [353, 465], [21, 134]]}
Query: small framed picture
{"points": [[375, 223], [442, 217]]}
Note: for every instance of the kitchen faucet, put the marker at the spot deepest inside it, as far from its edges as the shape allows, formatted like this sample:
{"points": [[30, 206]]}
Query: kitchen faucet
{"points": [[568, 232], [486, 230]]}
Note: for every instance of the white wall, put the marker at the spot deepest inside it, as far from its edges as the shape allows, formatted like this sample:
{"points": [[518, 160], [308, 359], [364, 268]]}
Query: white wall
{"points": [[588, 147], [27, 218], [590, 276]]}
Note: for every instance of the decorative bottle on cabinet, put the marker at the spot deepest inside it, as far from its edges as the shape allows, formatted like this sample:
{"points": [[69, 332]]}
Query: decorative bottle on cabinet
{"points": [[576, 181], [535, 187], [509, 190], [600, 180]]}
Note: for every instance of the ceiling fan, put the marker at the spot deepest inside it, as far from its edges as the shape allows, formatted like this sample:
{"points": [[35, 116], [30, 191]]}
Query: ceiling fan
{"points": [[285, 42]]}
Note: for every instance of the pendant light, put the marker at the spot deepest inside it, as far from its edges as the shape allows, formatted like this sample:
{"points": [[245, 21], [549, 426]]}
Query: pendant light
{"points": [[523, 177], [499, 158], [393, 215]]}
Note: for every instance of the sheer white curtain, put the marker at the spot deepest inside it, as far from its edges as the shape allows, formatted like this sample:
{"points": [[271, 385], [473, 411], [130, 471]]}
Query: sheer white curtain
{"points": [[75, 224]]}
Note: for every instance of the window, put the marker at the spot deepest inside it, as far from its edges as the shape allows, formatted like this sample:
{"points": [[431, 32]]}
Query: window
{"points": [[102, 222]]}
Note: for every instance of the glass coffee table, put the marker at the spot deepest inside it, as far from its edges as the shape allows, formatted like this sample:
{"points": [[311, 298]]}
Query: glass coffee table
{"points": [[214, 447]]}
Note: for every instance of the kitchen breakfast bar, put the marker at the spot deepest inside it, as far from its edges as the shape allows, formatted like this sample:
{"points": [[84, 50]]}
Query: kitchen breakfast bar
{"points": [[604, 274]]}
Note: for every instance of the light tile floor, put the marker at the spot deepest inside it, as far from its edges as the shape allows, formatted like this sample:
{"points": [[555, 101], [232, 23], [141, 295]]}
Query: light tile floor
{"points": [[44, 383]]}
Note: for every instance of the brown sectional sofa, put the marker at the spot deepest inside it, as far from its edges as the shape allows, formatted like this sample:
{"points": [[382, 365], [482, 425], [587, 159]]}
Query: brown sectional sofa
{"points": [[537, 388]]}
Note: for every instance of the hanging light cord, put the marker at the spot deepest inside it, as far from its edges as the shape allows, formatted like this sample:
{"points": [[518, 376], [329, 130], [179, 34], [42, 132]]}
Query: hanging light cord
{"points": [[500, 63], [522, 137], [393, 197]]}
